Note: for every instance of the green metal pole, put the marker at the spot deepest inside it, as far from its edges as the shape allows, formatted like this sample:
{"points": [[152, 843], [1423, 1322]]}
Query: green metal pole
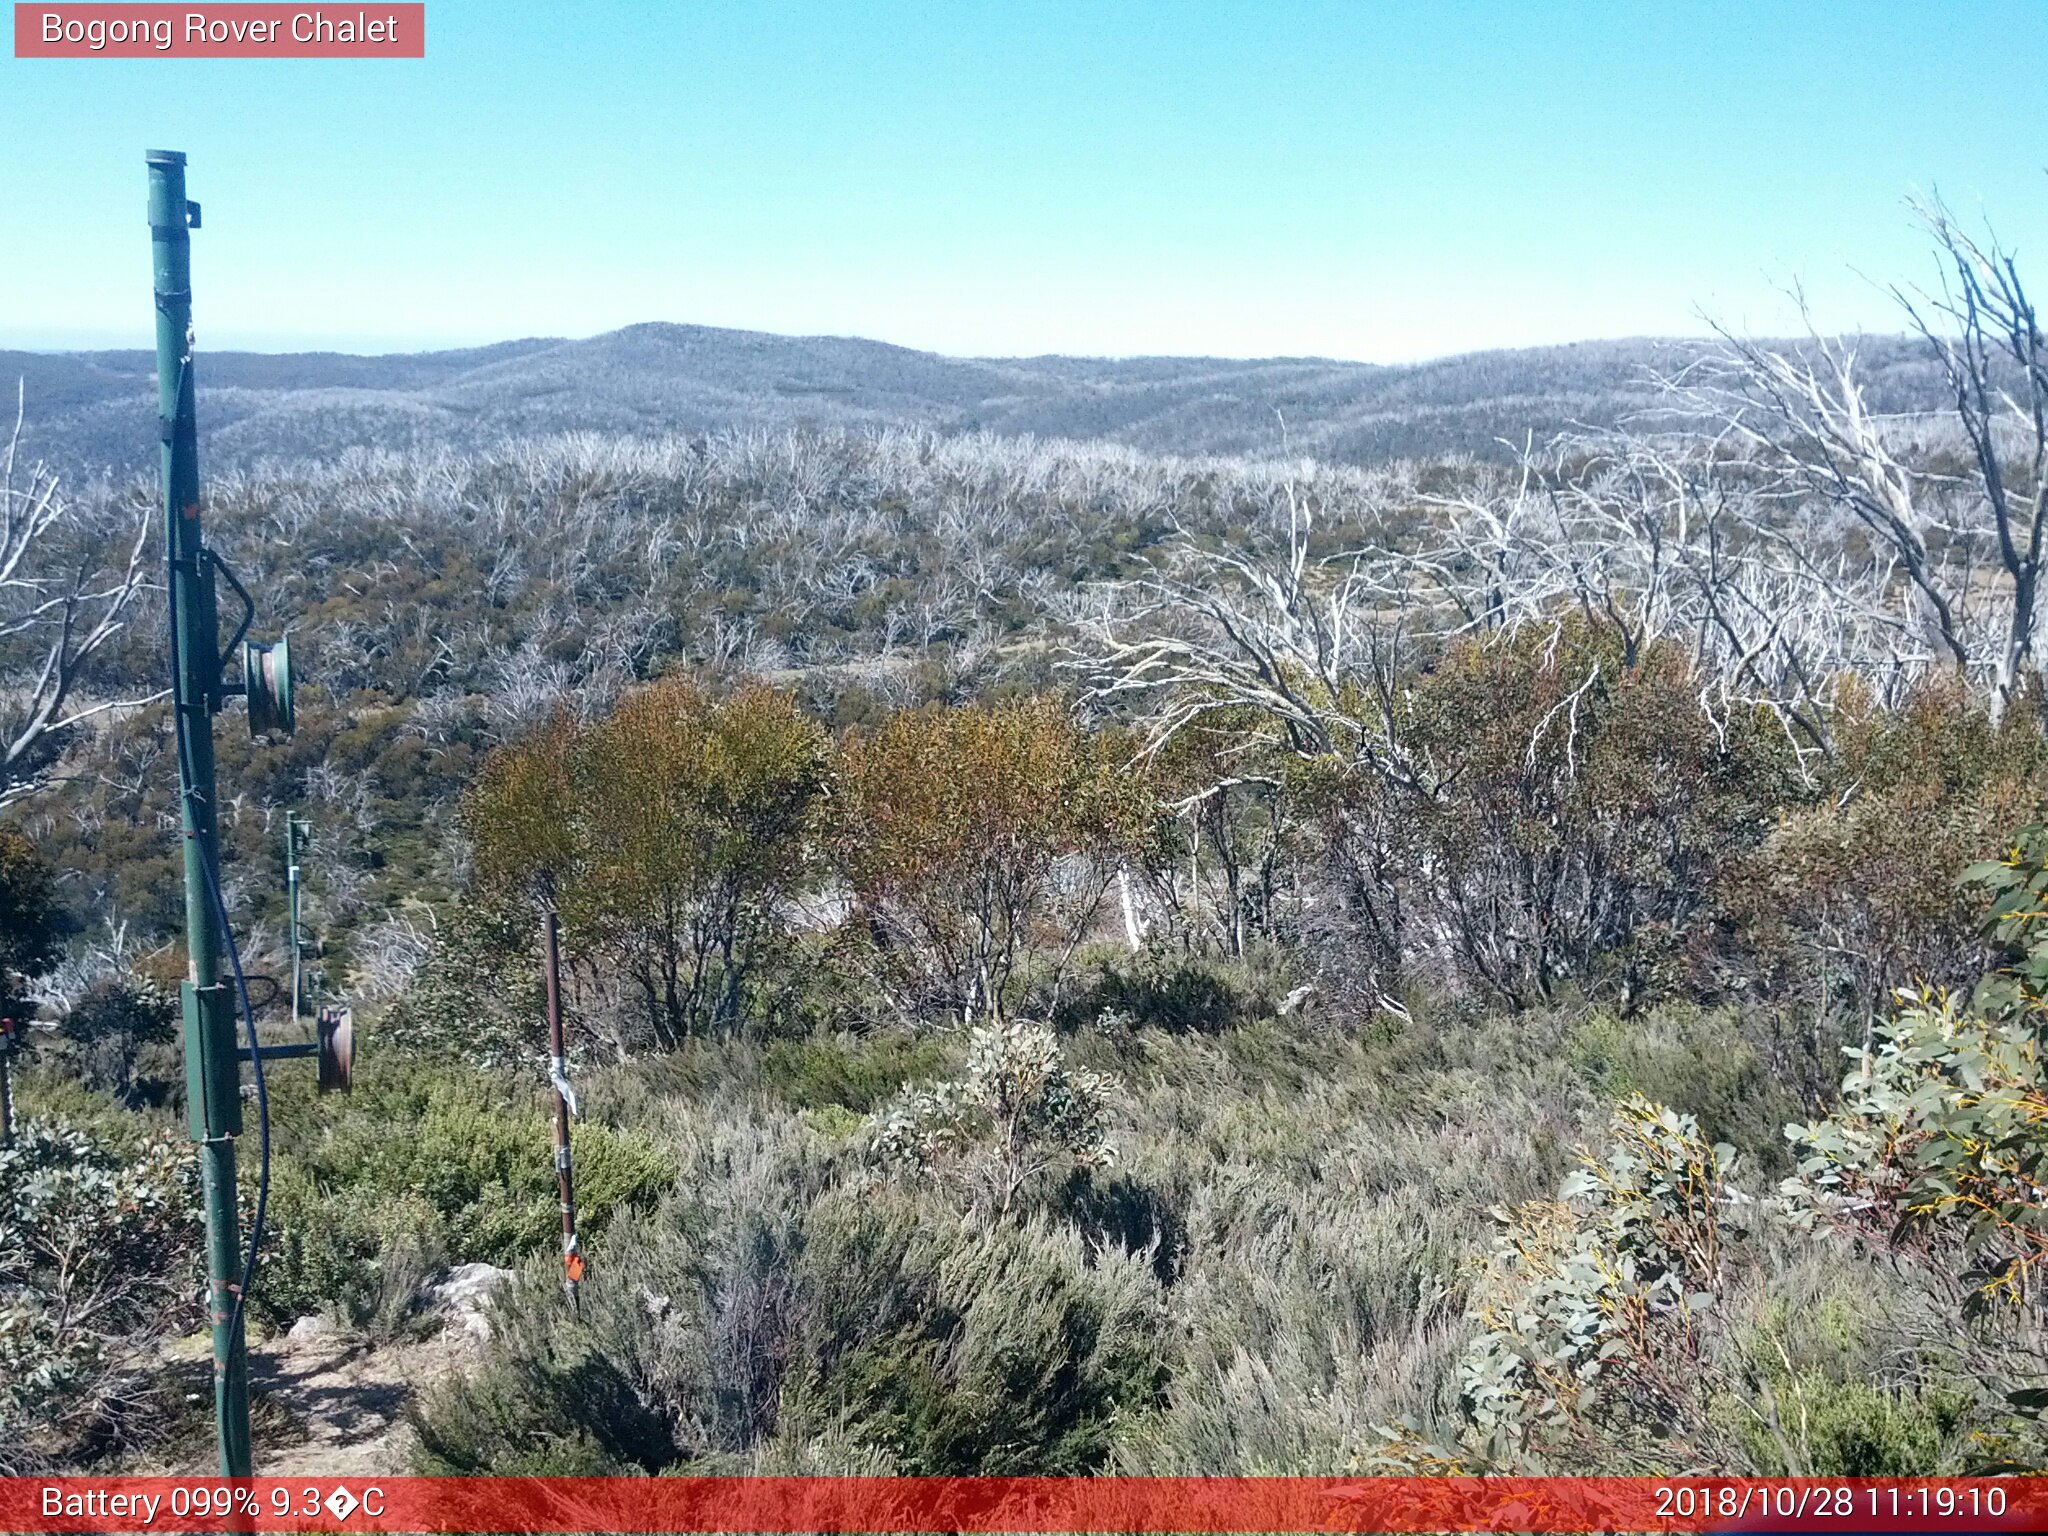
{"points": [[212, 1077]]}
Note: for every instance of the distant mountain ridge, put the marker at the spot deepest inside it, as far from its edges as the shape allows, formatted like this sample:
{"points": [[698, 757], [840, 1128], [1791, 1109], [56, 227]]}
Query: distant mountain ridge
{"points": [[89, 410]]}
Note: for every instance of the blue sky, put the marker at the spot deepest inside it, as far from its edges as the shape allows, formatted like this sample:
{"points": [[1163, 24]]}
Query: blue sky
{"points": [[1382, 181]]}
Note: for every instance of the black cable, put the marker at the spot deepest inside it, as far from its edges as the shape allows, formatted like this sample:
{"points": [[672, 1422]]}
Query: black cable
{"points": [[262, 1101], [206, 864]]}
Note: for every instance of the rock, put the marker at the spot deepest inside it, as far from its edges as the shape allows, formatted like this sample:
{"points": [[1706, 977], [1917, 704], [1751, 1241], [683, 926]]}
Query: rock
{"points": [[310, 1330], [467, 1287], [465, 1293]]}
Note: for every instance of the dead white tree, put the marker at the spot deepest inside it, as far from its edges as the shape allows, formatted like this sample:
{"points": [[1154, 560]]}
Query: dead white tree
{"points": [[1962, 536], [1311, 644], [65, 593], [1660, 539], [1989, 343]]}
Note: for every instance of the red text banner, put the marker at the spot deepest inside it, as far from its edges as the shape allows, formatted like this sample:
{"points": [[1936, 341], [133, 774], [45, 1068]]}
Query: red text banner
{"points": [[104, 31], [876, 1504]]}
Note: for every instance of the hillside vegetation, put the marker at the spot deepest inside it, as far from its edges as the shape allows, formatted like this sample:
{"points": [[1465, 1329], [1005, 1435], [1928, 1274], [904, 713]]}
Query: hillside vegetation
{"points": [[1086, 960], [92, 410]]}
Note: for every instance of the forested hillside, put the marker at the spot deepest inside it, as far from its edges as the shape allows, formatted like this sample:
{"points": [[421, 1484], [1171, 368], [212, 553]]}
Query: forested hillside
{"points": [[91, 410], [1256, 958]]}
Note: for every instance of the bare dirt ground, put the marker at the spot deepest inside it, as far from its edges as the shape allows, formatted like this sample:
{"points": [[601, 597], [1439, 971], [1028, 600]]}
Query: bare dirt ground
{"points": [[335, 1406], [327, 1402]]}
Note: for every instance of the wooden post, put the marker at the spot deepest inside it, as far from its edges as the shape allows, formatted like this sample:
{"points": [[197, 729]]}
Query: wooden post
{"points": [[558, 1073]]}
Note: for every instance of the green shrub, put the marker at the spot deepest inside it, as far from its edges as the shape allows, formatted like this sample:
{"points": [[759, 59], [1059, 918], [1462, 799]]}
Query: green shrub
{"points": [[1658, 1318], [850, 1329], [670, 836], [1943, 1127], [31, 918], [98, 1263], [1697, 1060], [1180, 994], [1852, 895], [1593, 1309], [1826, 1427], [477, 996], [1019, 1112], [978, 842], [356, 1253], [850, 1072], [45, 1088], [441, 1156], [1566, 820], [117, 1037], [1936, 1151]]}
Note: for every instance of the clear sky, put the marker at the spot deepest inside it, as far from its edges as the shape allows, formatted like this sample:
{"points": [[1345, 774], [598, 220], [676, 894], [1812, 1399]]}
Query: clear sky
{"points": [[1382, 181]]}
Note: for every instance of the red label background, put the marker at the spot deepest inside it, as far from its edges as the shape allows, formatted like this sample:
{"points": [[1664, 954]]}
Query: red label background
{"points": [[411, 23]]}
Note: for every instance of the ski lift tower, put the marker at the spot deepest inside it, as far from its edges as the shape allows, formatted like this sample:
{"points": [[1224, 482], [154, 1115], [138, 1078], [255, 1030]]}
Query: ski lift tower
{"points": [[213, 1090]]}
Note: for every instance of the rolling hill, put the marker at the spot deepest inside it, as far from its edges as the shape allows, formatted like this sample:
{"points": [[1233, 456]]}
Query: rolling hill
{"points": [[92, 410]]}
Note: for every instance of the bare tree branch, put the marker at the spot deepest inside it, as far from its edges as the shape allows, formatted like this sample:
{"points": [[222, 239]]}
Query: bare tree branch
{"points": [[66, 592]]}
